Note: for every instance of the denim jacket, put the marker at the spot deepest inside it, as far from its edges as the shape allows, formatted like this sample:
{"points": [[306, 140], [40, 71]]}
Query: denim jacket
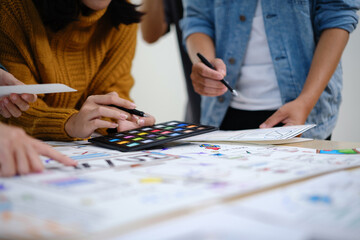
{"points": [[292, 28]]}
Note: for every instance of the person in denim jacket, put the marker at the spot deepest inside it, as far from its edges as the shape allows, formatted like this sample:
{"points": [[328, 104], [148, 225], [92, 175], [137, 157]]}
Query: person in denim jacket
{"points": [[283, 57]]}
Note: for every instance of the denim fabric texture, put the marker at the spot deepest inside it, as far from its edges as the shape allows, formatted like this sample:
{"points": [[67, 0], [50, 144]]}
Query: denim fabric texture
{"points": [[293, 28]]}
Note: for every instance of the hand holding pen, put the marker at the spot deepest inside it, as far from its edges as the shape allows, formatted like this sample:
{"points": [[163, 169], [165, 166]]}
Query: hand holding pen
{"points": [[208, 78], [135, 119], [96, 113]]}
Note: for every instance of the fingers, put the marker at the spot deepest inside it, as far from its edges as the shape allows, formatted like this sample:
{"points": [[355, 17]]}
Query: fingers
{"points": [[97, 123], [126, 125], [4, 112], [88, 119], [21, 158], [19, 102], [11, 108], [20, 153], [7, 163], [7, 79], [219, 66], [107, 112], [30, 98], [206, 81], [45, 150], [206, 72], [35, 163], [135, 122], [205, 88], [14, 105], [274, 119], [111, 98], [146, 121]]}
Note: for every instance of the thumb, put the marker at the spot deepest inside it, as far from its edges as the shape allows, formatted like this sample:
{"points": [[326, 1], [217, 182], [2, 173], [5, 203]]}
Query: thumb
{"points": [[273, 120], [113, 93]]}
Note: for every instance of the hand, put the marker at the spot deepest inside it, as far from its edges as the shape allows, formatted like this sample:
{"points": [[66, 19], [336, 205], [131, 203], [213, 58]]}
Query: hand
{"points": [[132, 121], [291, 113], [206, 81], [19, 153], [135, 122], [88, 119], [13, 105]]}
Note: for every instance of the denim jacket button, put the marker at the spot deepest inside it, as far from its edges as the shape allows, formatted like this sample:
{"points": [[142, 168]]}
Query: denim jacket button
{"points": [[221, 99], [242, 18], [231, 60]]}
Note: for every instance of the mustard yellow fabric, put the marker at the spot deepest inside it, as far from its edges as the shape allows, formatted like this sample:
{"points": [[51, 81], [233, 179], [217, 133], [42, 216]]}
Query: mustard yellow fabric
{"points": [[89, 55]]}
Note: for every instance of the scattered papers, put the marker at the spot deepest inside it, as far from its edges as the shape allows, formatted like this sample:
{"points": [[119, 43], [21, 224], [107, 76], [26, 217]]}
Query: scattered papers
{"points": [[115, 191], [327, 207], [35, 89], [274, 135], [214, 224]]}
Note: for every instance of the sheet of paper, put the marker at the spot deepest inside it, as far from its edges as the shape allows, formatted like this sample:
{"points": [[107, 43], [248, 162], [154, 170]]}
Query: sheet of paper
{"points": [[324, 208], [283, 141], [35, 89], [114, 190], [327, 206], [215, 223], [276, 134]]}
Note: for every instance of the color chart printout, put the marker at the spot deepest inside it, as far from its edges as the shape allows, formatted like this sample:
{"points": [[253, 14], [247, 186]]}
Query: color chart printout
{"points": [[152, 183]]}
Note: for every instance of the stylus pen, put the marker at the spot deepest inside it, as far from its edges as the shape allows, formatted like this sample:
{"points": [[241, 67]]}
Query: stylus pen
{"points": [[207, 63], [131, 111]]}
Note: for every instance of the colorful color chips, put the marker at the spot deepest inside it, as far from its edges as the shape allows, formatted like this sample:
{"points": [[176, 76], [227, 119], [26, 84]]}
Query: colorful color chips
{"points": [[142, 138]]}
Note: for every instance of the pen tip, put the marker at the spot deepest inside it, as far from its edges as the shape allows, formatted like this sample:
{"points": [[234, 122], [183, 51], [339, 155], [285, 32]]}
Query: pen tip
{"points": [[234, 92]]}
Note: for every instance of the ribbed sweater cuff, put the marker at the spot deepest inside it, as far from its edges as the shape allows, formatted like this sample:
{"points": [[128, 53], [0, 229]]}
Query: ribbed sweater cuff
{"points": [[51, 127]]}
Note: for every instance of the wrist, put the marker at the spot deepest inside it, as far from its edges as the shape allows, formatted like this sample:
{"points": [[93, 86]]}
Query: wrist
{"points": [[69, 125], [306, 102]]}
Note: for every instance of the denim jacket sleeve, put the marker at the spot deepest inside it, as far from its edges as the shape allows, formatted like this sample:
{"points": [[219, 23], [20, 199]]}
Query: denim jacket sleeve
{"points": [[335, 14], [199, 18]]}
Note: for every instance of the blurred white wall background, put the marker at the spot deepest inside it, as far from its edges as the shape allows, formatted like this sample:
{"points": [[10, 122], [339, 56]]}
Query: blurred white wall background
{"points": [[160, 86]]}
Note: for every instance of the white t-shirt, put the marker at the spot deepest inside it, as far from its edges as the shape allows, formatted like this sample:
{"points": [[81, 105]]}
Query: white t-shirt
{"points": [[257, 86]]}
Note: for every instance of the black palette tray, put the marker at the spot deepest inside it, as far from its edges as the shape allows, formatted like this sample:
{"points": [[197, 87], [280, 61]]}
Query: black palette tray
{"points": [[150, 136]]}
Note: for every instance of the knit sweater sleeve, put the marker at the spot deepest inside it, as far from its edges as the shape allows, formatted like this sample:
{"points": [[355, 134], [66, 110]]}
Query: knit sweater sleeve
{"points": [[114, 74], [40, 120]]}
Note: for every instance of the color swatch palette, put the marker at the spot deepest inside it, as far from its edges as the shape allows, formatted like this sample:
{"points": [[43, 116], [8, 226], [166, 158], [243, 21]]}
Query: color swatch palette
{"points": [[145, 137]]}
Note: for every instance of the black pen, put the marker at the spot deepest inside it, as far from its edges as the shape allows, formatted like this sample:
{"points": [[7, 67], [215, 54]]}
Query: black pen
{"points": [[208, 64], [131, 111]]}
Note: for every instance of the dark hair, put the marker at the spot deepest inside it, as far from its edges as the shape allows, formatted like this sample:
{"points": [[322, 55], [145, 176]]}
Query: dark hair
{"points": [[57, 14]]}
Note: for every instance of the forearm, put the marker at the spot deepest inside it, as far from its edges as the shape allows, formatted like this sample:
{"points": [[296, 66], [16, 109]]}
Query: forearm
{"points": [[153, 24], [200, 43], [326, 58]]}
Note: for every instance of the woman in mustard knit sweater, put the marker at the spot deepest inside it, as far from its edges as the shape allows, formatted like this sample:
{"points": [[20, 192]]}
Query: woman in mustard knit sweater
{"points": [[86, 44]]}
